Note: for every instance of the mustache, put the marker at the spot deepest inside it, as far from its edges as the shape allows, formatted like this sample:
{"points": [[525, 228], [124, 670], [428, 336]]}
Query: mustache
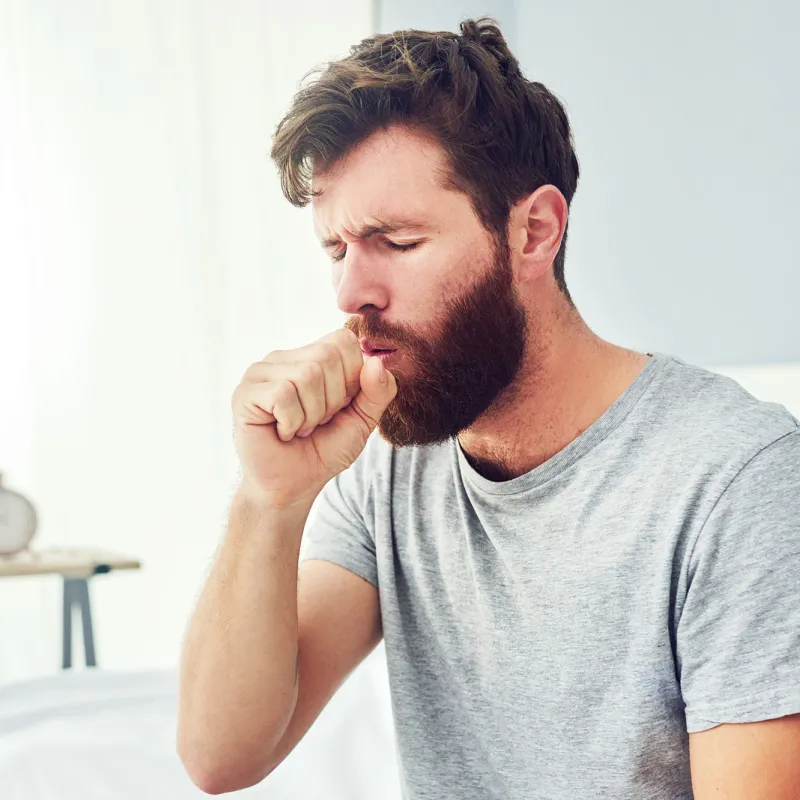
{"points": [[370, 328]]}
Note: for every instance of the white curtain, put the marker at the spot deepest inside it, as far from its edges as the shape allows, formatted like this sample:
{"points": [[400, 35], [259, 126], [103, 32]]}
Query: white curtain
{"points": [[147, 257]]}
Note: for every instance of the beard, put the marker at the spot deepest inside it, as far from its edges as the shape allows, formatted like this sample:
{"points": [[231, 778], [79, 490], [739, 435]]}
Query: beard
{"points": [[446, 382]]}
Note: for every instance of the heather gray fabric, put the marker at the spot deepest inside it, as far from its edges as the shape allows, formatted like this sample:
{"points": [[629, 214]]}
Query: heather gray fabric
{"points": [[557, 635]]}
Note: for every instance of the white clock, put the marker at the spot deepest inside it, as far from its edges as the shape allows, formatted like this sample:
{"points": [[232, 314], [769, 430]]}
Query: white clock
{"points": [[17, 521]]}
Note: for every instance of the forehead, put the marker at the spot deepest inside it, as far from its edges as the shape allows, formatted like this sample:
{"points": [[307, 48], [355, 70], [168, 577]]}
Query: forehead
{"points": [[393, 174]]}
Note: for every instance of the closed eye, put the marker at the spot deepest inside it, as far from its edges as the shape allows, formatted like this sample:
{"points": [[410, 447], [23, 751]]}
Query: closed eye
{"points": [[401, 247], [391, 245]]}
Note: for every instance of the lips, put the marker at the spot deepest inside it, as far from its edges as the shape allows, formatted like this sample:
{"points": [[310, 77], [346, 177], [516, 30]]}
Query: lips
{"points": [[371, 347]]}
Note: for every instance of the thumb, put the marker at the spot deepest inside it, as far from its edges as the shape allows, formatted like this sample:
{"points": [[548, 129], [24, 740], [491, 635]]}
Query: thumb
{"points": [[375, 394]]}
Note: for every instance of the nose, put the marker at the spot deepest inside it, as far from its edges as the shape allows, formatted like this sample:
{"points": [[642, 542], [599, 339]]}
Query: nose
{"points": [[357, 281]]}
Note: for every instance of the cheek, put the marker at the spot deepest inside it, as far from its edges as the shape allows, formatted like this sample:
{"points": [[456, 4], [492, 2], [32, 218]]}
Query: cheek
{"points": [[423, 288], [450, 277]]}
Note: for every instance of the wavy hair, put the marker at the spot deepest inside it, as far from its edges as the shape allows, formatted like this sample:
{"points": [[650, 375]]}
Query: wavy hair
{"points": [[504, 136]]}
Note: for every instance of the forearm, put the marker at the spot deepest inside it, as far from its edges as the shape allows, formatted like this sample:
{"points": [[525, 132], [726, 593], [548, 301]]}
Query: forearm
{"points": [[238, 667]]}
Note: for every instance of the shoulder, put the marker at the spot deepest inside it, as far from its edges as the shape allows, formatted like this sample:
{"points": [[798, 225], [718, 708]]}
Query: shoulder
{"points": [[711, 418]]}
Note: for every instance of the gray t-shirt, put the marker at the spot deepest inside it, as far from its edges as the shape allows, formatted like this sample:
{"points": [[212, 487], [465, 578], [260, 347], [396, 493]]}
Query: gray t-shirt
{"points": [[558, 635]]}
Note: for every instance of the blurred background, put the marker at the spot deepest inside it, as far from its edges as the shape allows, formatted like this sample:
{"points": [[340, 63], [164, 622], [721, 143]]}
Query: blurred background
{"points": [[147, 255]]}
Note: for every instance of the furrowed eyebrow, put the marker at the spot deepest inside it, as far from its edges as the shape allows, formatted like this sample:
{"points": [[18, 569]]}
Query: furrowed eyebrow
{"points": [[395, 226]]}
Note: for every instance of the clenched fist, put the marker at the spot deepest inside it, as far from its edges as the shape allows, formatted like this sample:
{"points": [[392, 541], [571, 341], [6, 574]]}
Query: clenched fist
{"points": [[303, 416]]}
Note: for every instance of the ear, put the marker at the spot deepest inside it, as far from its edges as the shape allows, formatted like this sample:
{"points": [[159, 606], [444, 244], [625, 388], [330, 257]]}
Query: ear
{"points": [[536, 228]]}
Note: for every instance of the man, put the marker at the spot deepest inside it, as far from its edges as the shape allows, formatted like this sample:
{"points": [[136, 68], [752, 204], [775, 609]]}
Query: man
{"points": [[584, 560]]}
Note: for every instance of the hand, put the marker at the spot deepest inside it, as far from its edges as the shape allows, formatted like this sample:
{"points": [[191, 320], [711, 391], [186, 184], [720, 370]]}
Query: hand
{"points": [[303, 416]]}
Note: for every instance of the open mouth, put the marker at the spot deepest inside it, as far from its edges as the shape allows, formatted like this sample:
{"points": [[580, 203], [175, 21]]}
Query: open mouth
{"points": [[386, 356]]}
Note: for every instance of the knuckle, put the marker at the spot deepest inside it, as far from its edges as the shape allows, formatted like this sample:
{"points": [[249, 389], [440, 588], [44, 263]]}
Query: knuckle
{"points": [[285, 392], [253, 370], [309, 372], [352, 342], [285, 407], [345, 341], [348, 336], [329, 356], [273, 355]]}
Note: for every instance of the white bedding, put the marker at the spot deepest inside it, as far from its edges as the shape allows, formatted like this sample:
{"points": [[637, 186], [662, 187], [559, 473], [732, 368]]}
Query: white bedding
{"points": [[102, 735]]}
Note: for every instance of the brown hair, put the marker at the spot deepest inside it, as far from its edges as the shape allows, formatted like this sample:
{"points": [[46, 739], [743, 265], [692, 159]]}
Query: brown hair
{"points": [[504, 136]]}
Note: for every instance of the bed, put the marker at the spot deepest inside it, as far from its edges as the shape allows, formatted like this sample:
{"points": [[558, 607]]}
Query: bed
{"points": [[109, 735]]}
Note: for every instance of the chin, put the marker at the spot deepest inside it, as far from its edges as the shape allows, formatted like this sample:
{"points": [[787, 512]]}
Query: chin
{"points": [[418, 430]]}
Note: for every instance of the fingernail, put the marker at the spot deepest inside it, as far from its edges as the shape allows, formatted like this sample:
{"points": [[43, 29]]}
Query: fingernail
{"points": [[384, 376]]}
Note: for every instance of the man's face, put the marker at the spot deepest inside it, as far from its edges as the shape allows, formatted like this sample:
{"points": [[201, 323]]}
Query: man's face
{"points": [[447, 303]]}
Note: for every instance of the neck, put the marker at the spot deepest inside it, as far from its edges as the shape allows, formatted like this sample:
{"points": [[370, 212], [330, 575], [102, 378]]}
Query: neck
{"points": [[569, 378]]}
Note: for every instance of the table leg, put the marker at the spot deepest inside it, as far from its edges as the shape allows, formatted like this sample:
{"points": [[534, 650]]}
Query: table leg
{"points": [[86, 617], [66, 629], [76, 593]]}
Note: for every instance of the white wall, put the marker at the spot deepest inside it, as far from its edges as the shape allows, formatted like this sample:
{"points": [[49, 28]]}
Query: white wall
{"points": [[686, 121], [148, 257]]}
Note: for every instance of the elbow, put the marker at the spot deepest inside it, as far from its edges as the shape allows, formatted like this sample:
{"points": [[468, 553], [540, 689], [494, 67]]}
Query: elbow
{"points": [[218, 783], [216, 775], [211, 783], [218, 780], [239, 759]]}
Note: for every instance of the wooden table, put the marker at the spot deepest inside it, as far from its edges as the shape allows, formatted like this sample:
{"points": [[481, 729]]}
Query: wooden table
{"points": [[76, 566]]}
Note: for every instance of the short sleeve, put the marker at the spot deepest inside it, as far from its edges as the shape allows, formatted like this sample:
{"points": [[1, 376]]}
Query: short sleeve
{"points": [[337, 529], [738, 634]]}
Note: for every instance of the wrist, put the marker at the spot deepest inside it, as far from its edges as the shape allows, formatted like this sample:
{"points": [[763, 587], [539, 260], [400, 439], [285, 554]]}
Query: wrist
{"points": [[268, 500]]}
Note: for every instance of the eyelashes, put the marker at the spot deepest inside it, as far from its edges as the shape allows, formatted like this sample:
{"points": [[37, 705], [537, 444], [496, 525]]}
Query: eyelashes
{"points": [[391, 245], [401, 247]]}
